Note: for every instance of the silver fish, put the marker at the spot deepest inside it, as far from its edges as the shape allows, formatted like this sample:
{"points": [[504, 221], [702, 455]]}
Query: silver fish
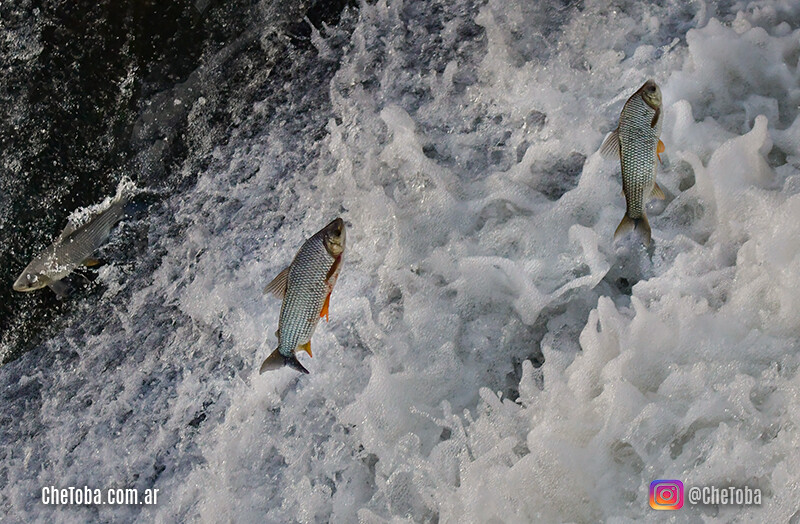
{"points": [[73, 248], [305, 287], [636, 142]]}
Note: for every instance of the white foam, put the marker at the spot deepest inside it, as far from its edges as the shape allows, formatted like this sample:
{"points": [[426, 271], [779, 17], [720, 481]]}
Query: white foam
{"points": [[80, 216]]}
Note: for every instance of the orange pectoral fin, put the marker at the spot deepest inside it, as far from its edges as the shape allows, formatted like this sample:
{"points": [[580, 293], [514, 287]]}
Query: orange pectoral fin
{"points": [[660, 149], [324, 312], [307, 348]]}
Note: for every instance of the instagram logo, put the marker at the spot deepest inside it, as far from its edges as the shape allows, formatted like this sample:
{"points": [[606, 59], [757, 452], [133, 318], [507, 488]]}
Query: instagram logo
{"points": [[666, 494]]}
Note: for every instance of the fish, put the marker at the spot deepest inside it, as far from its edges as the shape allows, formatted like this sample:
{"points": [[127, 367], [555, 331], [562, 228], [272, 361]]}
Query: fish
{"points": [[305, 287], [637, 143], [71, 249]]}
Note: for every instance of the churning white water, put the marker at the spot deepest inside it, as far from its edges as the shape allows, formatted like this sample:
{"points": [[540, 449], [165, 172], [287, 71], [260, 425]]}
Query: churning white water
{"points": [[459, 142]]}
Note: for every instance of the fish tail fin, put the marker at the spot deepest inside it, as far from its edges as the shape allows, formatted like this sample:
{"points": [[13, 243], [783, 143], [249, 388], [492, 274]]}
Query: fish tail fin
{"points": [[126, 190], [639, 225], [276, 361], [124, 198], [127, 199]]}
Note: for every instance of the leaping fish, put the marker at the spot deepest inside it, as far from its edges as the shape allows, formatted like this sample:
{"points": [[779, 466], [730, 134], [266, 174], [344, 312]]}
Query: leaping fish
{"points": [[636, 141], [73, 247], [305, 287]]}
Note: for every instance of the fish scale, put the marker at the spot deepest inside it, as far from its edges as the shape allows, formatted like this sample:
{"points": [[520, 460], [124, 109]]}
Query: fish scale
{"points": [[71, 249], [636, 143], [305, 296], [305, 288], [638, 146]]}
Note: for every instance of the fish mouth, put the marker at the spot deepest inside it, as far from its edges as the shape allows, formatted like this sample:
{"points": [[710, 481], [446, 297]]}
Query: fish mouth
{"points": [[26, 283], [22, 288]]}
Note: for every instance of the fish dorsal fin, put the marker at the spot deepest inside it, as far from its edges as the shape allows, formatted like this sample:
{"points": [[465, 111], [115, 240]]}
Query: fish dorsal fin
{"points": [[610, 145], [278, 285]]}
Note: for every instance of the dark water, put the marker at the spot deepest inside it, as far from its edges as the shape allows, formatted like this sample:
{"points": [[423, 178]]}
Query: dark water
{"points": [[88, 95]]}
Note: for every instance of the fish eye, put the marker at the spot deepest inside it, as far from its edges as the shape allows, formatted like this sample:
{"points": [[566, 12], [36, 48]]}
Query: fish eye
{"points": [[651, 88]]}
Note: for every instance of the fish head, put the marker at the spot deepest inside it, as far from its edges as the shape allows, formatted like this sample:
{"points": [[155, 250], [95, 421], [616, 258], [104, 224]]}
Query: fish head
{"points": [[651, 94], [333, 235], [30, 281]]}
